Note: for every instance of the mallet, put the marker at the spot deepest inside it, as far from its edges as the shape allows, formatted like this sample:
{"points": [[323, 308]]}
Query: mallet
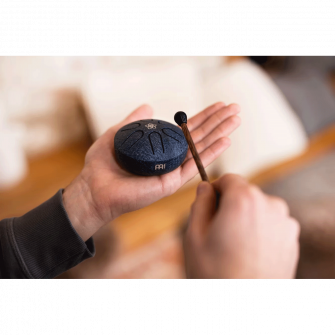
{"points": [[181, 120]]}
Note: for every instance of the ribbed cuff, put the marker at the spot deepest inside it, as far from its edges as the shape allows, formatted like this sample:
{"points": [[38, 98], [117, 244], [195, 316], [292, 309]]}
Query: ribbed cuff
{"points": [[45, 242]]}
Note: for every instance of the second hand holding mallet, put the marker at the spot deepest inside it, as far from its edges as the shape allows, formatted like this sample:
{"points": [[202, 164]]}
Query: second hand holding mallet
{"points": [[181, 120]]}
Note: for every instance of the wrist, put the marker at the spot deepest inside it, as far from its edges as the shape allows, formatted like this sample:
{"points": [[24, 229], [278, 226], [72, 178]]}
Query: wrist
{"points": [[79, 205]]}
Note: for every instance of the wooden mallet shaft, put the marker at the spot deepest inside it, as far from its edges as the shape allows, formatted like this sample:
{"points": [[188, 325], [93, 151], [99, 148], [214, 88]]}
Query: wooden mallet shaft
{"points": [[181, 120]]}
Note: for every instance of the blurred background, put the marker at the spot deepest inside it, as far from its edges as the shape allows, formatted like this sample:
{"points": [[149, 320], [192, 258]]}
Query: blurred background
{"points": [[53, 108]]}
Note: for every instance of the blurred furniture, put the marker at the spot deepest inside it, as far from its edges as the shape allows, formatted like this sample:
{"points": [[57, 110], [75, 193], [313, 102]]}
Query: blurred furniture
{"points": [[305, 82], [270, 132], [309, 189], [41, 95], [45, 97], [137, 245], [168, 86]]}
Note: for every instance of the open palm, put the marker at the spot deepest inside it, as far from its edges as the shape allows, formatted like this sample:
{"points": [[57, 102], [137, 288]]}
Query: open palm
{"points": [[114, 191]]}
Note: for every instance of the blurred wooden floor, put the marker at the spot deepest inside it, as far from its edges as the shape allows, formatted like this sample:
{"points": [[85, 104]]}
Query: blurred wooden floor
{"points": [[53, 171], [48, 173]]}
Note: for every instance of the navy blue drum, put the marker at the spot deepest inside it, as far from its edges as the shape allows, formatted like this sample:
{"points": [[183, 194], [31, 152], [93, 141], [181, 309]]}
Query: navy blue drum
{"points": [[150, 147]]}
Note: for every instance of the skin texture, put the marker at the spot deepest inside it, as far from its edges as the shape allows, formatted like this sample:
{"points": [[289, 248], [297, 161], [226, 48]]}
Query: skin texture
{"points": [[251, 235], [103, 190]]}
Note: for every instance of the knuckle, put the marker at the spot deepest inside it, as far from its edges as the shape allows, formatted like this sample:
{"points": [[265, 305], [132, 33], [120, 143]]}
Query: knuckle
{"points": [[246, 195], [234, 107], [250, 192], [225, 177], [200, 132], [242, 203], [235, 120], [229, 177], [232, 122], [230, 182], [219, 105], [285, 206], [201, 146], [294, 228], [281, 204], [254, 191], [297, 227]]}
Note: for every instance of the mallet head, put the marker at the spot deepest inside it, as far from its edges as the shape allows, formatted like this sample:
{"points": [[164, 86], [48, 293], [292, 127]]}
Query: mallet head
{"points": [[180, 117]]}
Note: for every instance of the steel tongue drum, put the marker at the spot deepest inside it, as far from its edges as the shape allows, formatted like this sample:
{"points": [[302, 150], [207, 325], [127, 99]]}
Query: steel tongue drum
{"points": [[150, 147]]}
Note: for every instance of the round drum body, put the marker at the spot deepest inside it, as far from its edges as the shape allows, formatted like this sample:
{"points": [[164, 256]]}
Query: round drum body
{"points": [[150, 147]]}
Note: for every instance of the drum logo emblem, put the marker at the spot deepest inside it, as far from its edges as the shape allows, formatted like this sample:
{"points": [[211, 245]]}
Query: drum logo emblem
{"points": [[151, 126], [160, 166]]}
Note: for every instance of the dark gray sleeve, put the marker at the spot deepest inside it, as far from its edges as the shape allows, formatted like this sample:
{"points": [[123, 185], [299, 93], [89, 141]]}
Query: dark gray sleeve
{"points": [[42, 243]]}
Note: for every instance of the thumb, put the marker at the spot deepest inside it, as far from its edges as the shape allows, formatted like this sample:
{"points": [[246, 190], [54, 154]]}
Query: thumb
{"points": [[142, 112], [203, 209]]}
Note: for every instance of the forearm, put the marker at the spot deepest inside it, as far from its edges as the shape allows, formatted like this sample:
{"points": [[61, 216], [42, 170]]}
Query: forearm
{"points": [[80, 208], [42, 243]]}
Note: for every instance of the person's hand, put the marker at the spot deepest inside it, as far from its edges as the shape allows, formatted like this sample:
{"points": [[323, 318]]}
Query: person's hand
{"points": [[250, 235], [104, 191]]}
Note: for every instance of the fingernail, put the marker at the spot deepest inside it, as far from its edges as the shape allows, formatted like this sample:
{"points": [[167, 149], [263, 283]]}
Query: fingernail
{"points": [[202, 187]]}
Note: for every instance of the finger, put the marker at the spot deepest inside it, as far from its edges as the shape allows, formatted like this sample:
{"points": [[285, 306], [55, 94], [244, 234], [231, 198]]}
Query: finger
{"points": [[201, 117], [278, 205], [189, 168], [213, 121], [142, 112], [291, 229], [229, 181], [103, 147], [202, 210], [295, 228], [223, 130]]}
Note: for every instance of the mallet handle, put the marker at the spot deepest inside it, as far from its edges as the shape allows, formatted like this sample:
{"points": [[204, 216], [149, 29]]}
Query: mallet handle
{"points": [[194, 152]]}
